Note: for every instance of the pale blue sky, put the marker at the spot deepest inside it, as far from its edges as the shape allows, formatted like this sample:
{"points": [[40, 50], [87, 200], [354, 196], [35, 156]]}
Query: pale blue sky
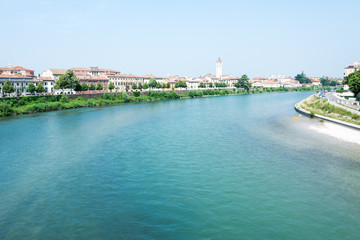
{"points": [[184, 37]]}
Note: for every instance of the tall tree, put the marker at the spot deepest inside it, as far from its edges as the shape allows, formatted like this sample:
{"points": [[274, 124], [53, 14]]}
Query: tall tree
{"points": [[146, 86], [302, 78], [243, 82], [99, 86], [31, 88], [68, 80], [40, 88], [7, 87], [353, 80], [84, 87], [180, 84], [111, 86], [133, 86], [152, 83], [92, 87]]}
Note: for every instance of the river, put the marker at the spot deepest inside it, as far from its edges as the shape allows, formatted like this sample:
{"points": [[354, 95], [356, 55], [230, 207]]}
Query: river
{"points": [[231, 167]]}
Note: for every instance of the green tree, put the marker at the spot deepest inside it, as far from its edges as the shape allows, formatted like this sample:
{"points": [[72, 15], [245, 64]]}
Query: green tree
{"points": [[31, 88], [325, 81], [84, 87], [140, 86], [133, 86], [7, 87], [220, 84], [163, 86], [92, 87], [158, 85], [243, 82], [68, 80], [168, 85], [353, 80], [211, 85], [77, 86], [152, 83], [180, 84], [111, 86], [302, 78], [202, 85], [146, 86], [40, 88], [99, 86]]}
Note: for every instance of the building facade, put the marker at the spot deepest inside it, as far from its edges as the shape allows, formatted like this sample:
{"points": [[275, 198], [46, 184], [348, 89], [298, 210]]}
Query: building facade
{"points": [[352, 68], [19, 77], [124, 82]]}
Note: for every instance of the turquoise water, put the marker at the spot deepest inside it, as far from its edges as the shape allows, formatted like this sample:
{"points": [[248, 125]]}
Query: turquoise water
{"points": [[233, 167]]}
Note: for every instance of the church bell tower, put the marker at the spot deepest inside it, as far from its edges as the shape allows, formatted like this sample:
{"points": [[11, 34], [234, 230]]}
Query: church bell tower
{"points": [[219, 68]]}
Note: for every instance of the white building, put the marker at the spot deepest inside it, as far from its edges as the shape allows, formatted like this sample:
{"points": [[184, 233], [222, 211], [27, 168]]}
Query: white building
{"points": [[124, 82], [352, 68], [19, 77], [48, 84], [53, 73], [147, 77]]}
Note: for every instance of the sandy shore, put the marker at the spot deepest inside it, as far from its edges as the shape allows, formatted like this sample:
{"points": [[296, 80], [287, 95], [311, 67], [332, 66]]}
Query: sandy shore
{"points": [[338, 131]]}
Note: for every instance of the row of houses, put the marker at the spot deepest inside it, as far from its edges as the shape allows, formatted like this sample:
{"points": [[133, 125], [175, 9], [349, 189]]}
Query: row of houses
{"points": [[20, 78]]}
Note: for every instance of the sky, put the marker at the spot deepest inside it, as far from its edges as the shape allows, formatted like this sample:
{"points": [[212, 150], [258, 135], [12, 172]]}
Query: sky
{"points": [[185, 37]]}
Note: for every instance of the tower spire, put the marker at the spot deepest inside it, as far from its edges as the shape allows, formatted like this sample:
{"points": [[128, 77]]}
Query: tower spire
{"points": [[219, 68]]}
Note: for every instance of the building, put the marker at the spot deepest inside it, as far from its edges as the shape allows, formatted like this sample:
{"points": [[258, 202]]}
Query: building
{"points": [[291, 84], [192, 84], [352, 68], [219, 69], [147, 77], [18, 76], [53, 73], [48, 84], [90, 75], [124, 82]]}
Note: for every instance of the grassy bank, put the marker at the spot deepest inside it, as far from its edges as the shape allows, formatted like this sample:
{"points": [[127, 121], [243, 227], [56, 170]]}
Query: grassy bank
{"points": [[34, 104], [316, 105]]}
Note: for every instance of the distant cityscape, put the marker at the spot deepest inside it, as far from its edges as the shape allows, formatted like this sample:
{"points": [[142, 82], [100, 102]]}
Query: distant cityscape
{"points": [[20, 77]]}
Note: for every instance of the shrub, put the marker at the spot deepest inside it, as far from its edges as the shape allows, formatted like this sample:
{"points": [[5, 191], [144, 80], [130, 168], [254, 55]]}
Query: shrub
{"points": [[5, 109], [136, 94], [64, 98], [312, 114]]}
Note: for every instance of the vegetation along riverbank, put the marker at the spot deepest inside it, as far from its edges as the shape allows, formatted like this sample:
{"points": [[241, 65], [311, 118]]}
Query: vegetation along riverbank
{"points": [[43, 103], [317, 105]]}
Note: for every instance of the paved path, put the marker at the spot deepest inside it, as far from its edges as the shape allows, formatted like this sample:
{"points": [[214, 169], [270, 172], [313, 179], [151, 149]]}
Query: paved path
{"points": [[337, 101]]}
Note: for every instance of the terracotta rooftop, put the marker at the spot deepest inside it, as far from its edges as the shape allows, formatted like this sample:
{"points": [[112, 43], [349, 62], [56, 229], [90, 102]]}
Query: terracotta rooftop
{"points": [[150, 76], [58, 71], [124, 75], [16, 68], [17, 76], [46, 79]]}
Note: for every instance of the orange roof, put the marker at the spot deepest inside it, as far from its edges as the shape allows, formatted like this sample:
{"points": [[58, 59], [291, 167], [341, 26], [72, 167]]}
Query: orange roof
{"points": [[150, 76], [17, 76], [16, 68], [89, 77], [46, 79], [124, 75]]}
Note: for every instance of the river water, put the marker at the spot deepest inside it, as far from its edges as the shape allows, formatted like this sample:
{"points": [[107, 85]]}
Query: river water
{"points": [[232, 167]]}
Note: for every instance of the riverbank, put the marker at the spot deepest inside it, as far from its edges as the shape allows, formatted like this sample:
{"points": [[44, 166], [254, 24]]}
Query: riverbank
{"points": [[314, 106], [34, 104]]}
